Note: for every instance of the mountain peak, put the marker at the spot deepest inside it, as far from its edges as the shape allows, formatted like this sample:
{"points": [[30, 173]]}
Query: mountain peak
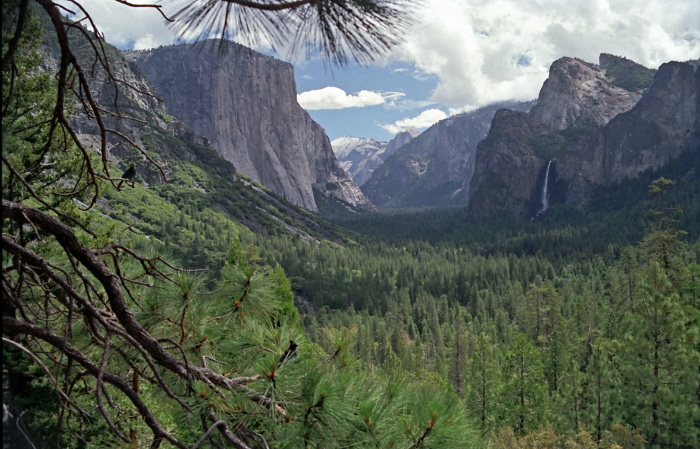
{"points": [[360, 156], [579, 92], [343, 146], [413, 132]]}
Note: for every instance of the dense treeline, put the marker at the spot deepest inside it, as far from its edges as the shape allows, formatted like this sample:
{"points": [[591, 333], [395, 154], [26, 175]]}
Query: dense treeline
{"points": [[559, 343], [615, 215], [578, 330], [109, 342]]}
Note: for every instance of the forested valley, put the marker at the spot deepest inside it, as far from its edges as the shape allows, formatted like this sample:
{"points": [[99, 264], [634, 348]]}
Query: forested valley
{"points": [[556, 332], [150, 316]]}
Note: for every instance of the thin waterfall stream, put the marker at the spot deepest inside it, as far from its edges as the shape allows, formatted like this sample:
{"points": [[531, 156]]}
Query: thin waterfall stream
{"points": [[544, 199]]}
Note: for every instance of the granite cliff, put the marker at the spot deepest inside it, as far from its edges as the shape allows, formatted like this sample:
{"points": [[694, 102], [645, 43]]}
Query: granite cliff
{"points": [[579, 92], [245, 104], [592, 125], [196, 177], [434, 169]]}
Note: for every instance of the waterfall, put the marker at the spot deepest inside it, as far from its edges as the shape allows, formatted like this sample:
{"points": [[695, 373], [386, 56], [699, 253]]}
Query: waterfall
{"points": [[544, 199]]}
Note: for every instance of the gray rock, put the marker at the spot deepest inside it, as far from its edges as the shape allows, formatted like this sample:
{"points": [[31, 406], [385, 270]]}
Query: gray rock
{"points": [[594, 132], [578, 92], [360, 156], [245, 104], [435, 168]]}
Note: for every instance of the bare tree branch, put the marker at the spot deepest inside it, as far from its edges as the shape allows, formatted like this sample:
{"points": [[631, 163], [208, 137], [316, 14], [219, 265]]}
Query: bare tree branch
{"points": [[130, 329]]}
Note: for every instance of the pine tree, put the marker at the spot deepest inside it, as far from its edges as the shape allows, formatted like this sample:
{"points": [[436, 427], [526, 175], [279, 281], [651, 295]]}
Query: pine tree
{"points": [[522, 398], [459, 354], [660, 366], [660, 355], [482, 381], [541, 312]]}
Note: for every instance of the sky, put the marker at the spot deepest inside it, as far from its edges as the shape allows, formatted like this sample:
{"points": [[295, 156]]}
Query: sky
{"points": [[457, 56]]}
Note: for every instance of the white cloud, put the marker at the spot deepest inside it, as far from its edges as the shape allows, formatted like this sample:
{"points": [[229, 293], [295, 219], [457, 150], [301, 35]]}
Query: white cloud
{"points": [[146, 42], [477, 51], [483, 51], [335, 98], [423, 120], [405, 105], [124, 26]]}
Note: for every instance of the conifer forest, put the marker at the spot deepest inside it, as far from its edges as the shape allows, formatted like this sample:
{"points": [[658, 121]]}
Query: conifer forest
{"points": [[142, 315]]}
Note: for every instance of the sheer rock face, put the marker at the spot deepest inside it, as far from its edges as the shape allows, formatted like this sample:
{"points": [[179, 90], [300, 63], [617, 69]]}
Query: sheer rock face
{"points": [[435, 168], [245, 104], [590, 143], [665, 122], [506, 169]]}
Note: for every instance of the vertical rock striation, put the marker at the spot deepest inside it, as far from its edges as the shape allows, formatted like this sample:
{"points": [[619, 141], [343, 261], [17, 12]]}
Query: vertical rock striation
{"points": [[245, 104]]}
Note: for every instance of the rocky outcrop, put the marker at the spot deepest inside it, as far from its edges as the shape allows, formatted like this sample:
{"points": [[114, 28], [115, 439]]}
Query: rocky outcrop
{"points": [[398, 141], [245, 104], [435, 168], [577, 92], [592, 130], [507, 169], [360, 156], [661, 126]]}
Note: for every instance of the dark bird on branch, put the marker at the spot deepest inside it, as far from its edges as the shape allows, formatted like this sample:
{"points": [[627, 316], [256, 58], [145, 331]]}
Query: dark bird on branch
{"points": [[128, 175], [289, 353]]}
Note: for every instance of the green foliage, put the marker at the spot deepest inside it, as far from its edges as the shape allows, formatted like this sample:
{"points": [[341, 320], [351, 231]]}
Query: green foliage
{"points": [[523, 390], [547, 438], [630, 76], [542, 333], [151, 352], [33, 148], [418, 194], [574, 331], [547, 146]]}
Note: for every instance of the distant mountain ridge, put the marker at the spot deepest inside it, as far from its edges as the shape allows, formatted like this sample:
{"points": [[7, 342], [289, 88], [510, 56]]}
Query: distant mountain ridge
{"points": [[435, 167], [360, 156], [592, 125]]}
